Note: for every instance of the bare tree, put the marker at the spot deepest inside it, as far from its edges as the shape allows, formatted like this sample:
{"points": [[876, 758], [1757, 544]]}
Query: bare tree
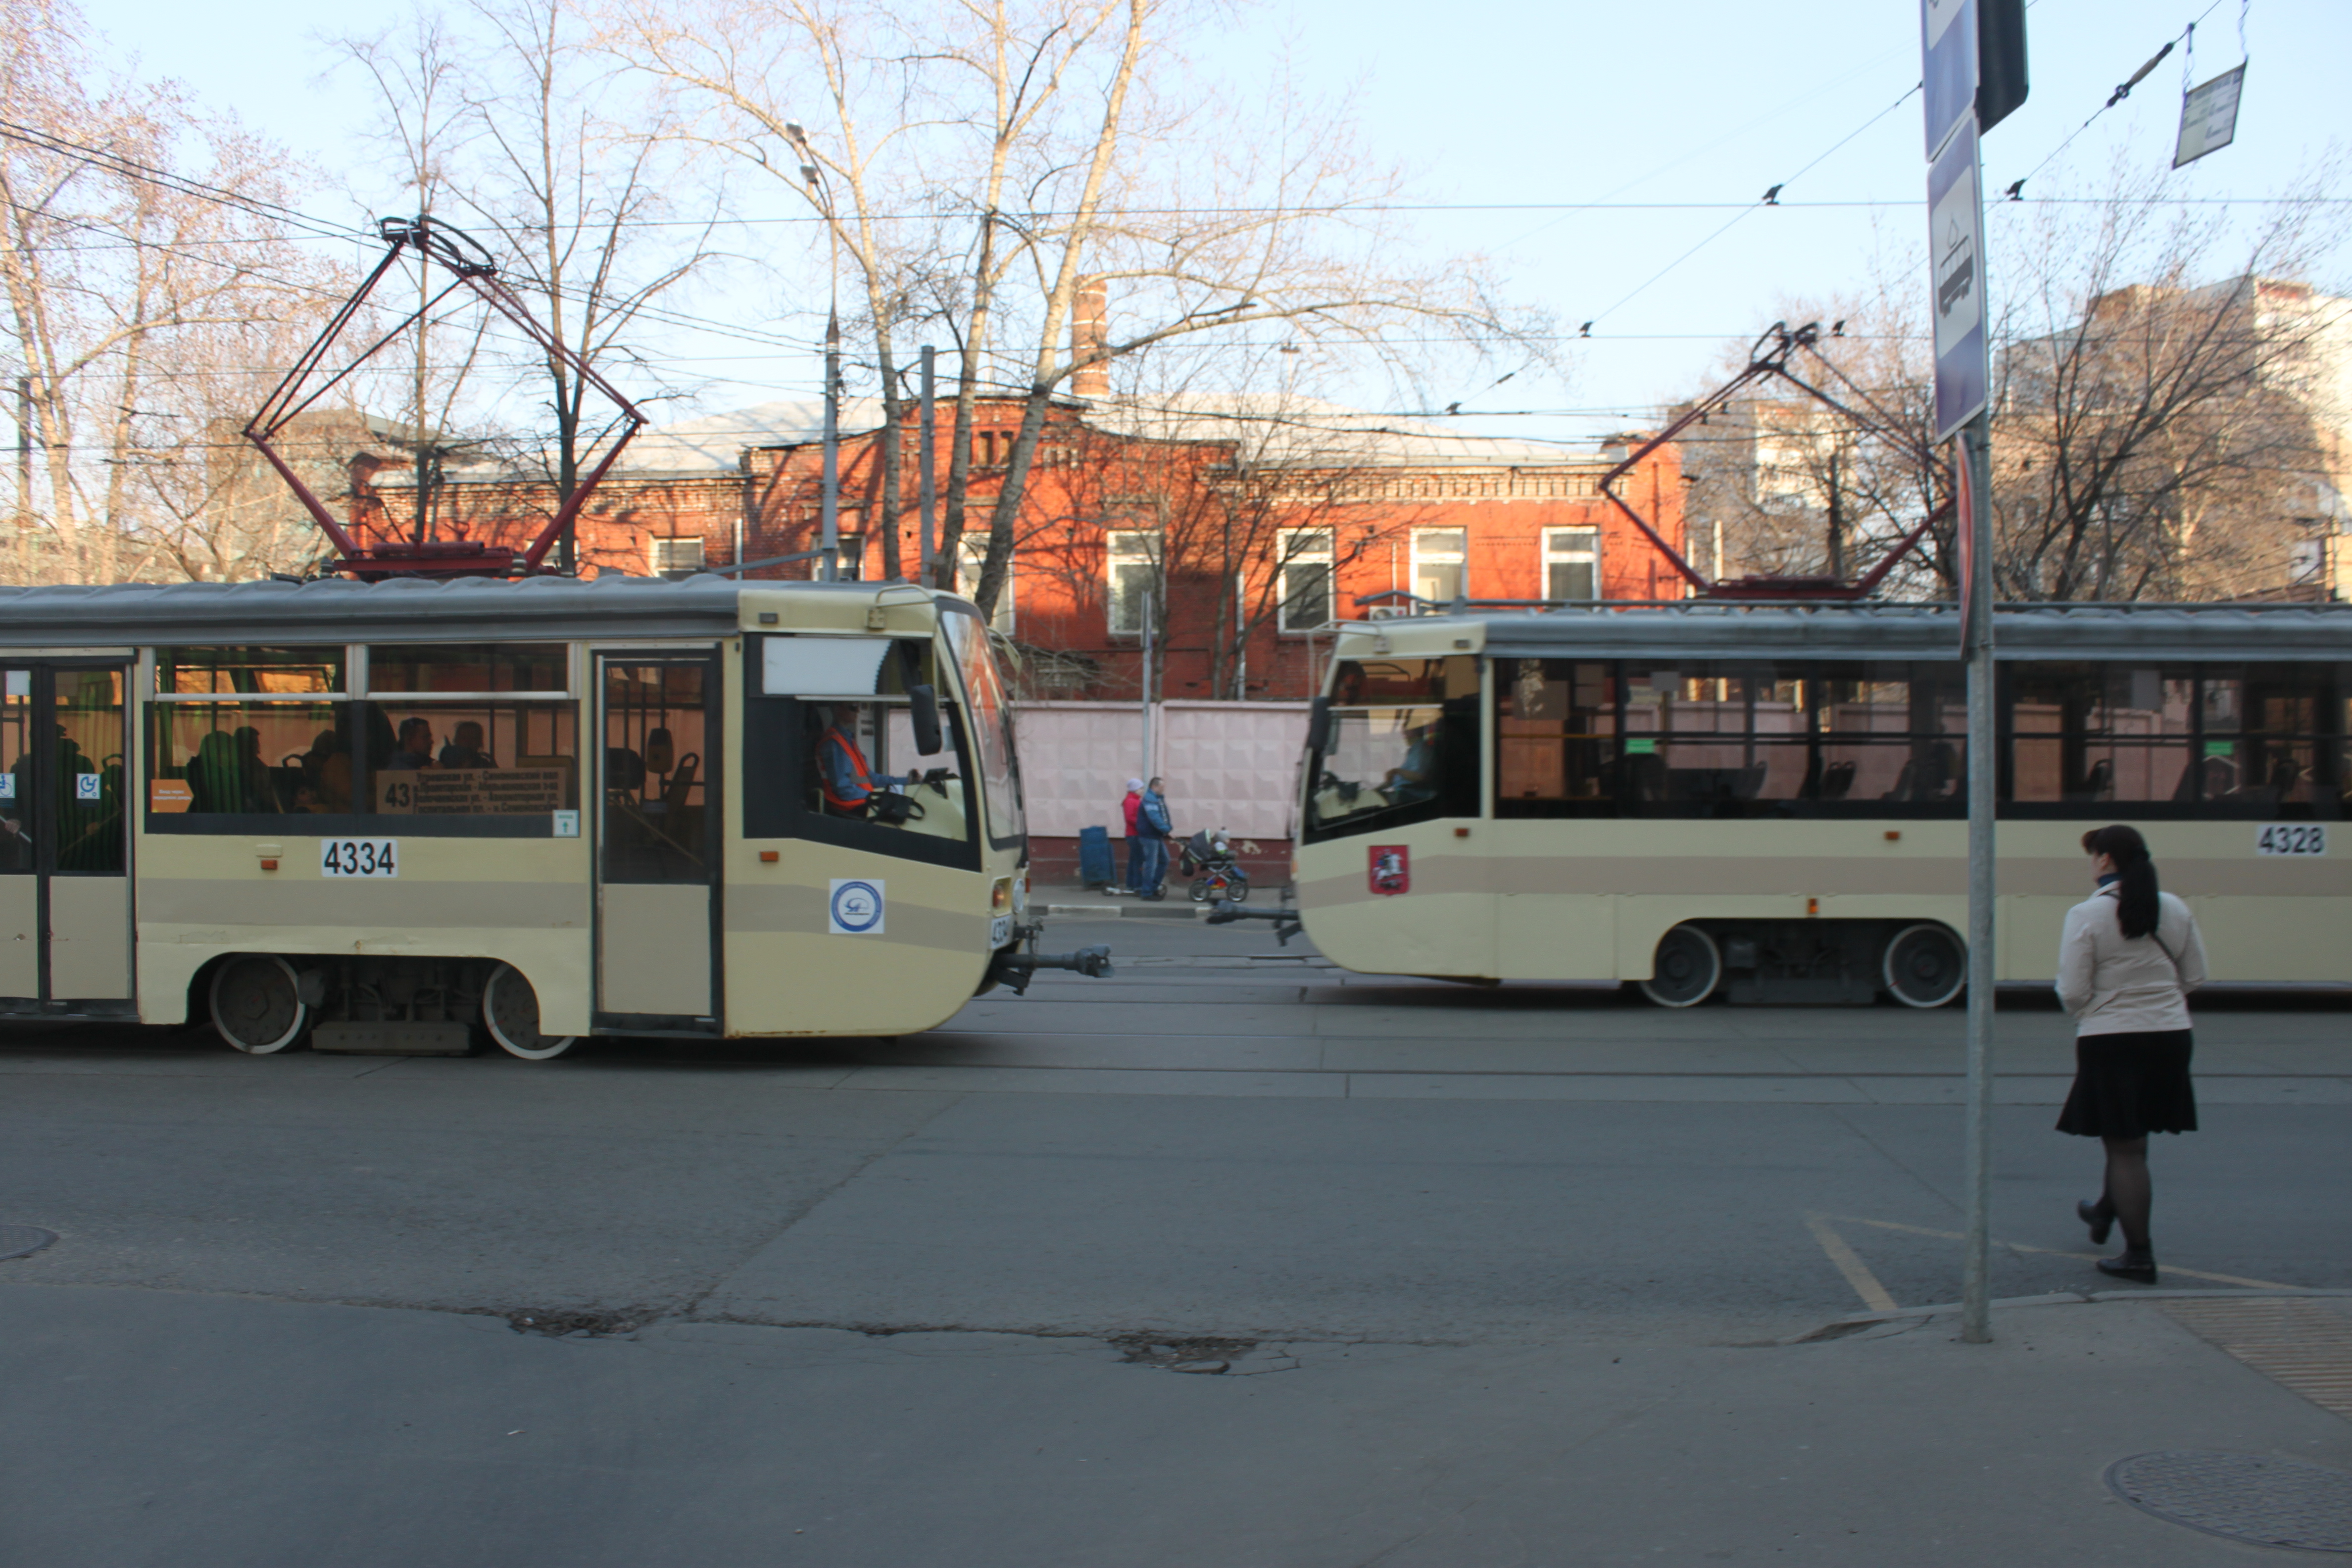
{"points": [[573, 192], [122, 278], [2153, 433]]}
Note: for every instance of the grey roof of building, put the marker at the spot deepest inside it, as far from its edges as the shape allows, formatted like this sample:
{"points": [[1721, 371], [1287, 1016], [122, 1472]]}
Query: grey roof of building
{"points": [[1283, 431]]}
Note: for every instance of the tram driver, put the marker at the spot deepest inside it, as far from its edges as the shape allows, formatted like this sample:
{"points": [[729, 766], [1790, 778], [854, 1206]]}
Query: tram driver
{"points": [[850, 788]]}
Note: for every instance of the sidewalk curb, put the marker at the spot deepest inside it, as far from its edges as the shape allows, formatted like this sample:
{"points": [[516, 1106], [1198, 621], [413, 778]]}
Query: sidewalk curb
{"points": [[1113, 909], [1839, 1327]]}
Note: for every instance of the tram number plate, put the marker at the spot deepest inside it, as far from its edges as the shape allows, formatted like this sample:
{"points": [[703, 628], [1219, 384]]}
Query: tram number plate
{"points": [[2292, 838], [1000, 931], [359, 857]]}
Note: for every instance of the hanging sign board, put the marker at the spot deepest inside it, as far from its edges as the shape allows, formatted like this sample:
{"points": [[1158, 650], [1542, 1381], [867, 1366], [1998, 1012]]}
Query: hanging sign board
{"points": [[2209, 117], [1957, 282], [1948, 51]]}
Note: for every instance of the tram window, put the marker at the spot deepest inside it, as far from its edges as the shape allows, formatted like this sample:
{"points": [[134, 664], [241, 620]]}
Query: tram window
{"points": [[831, 751], [1714, 737], [1898, 733], [1401, 746], [248, 672], [471, 667], [17, 770], [433, 761], [656, 782], [89, 742], [471, 759], [991, 720], [243, 759], [2249, 740], [1556, 735]]}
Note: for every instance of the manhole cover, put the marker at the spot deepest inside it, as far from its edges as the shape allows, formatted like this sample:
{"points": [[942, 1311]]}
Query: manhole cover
{"points": [[2246, 1497], [17, 1241]]}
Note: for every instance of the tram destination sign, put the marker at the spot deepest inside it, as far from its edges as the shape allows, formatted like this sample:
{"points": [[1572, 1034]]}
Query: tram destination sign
{"points": [[470, 792]]}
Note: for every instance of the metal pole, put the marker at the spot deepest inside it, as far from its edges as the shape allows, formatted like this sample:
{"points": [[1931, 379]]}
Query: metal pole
{"points": [[1975, 481], [24, 453], [931, 489], [1146, 683], [829, 541]]}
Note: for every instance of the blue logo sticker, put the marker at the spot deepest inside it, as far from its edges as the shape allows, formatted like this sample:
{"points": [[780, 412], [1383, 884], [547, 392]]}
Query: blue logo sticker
{"points": [[855, 907]]}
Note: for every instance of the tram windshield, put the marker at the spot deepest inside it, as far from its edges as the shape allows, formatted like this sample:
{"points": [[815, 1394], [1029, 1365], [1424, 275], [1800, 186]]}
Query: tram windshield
{"points": [[991, 724], [1401, 745]]}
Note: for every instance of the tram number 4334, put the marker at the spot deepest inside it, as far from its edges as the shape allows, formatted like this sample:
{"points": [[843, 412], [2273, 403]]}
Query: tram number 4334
{"points": [[2292, 838], [359, 858]]}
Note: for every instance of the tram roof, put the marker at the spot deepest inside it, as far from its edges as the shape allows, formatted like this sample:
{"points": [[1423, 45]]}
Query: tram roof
{"points": [[1885, 631], [400, 609]]}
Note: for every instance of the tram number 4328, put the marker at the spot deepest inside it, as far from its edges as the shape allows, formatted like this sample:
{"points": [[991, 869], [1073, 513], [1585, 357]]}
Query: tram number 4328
{"points": [[2292, 838], [359, 858]]}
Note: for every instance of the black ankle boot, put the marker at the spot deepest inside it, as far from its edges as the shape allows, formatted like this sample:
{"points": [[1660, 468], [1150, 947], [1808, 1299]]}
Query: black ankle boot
{"points": [[2099, 1217], [2137, 1264]]}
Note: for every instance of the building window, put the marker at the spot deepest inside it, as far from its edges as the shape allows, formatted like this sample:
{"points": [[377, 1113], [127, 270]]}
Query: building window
{"points": [[674, 558], [851, 563], [1305, 572], [1134, 571], [1572, 563], [972, 554], [1439, 570]]}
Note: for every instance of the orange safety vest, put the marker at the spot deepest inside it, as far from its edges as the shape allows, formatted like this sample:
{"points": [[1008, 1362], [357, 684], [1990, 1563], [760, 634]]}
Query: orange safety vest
{"points": [[857, 766]]}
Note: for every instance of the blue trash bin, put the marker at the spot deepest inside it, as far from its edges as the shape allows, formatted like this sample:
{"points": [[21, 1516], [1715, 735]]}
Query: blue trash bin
{"points": [[1094, 856]]}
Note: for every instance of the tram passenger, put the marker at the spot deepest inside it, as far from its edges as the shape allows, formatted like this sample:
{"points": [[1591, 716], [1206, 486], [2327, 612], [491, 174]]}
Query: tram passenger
{"points": [[465, 748], [416, 746], [327, 774]]}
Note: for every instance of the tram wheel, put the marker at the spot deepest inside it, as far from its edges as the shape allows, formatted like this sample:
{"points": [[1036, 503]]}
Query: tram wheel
{"points": [[257, 1004], [1926, 965], [511, 1013], [1686, 969]]}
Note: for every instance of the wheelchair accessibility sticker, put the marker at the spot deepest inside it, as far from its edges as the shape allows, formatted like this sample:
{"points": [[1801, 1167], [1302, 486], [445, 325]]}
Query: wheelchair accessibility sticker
{"points": [[855, 907]]}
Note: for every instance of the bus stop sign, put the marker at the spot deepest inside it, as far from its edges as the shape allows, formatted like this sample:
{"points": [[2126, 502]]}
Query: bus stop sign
{"points": [[1957, 281]]}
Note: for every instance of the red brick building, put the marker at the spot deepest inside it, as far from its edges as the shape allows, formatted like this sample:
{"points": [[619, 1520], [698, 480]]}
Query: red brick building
{"points": [[1242, 527]]}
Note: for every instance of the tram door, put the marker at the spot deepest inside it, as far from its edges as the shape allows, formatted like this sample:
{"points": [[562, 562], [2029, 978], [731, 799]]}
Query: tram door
{"points": [[658, 827], [64, 897]]}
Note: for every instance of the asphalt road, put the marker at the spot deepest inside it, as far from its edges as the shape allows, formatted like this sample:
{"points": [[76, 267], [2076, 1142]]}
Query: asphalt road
{"points": [[1479, 1268]]}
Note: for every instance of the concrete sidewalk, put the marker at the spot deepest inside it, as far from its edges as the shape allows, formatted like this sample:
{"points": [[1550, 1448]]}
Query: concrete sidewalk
{"points": [[146, 1428]]}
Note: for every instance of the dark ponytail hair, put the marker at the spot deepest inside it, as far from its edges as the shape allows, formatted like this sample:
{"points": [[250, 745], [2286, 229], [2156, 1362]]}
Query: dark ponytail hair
{"points": [[2136, 909]]}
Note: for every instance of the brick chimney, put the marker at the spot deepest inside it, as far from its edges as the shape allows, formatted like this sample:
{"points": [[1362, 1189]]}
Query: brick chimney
{"points": [[1086, 336]]}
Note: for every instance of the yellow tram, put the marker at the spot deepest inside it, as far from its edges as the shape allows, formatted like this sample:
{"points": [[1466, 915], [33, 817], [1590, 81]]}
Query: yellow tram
{"points": [[1767, 803], [402, 817]]}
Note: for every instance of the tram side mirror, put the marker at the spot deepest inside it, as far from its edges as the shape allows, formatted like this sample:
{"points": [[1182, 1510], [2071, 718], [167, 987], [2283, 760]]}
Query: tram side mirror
{"points": [[923, 709], [1318, 725]]}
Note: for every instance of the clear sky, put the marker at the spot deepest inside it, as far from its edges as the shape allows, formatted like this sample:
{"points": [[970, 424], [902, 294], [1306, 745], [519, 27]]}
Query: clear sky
{"points": [[1692, 110]]}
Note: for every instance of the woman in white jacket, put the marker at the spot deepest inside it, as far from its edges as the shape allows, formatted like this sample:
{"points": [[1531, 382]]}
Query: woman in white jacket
{"points": [[2129, 957]]}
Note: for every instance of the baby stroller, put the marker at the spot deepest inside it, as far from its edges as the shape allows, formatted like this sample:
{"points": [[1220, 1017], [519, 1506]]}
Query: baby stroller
{"points": [[1209, 861]]}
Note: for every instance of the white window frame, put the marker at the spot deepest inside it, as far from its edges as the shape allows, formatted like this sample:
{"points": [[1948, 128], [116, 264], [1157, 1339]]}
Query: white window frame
{"points": [[1297, 547], [1572, 547], [1127, 549], [972, 554], [662, 550], [1425, 552]]}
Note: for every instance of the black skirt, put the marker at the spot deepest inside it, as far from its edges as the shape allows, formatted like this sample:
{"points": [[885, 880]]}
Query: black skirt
{"points": [[2128, 1086]]}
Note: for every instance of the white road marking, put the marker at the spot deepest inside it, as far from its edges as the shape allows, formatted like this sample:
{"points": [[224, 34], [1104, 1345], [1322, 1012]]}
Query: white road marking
{"points": [[1857, 1273]]}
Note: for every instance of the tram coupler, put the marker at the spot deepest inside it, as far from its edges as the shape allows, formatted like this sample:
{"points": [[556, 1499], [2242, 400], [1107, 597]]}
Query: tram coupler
{"points": [[1286, 919], [1014, 969]]}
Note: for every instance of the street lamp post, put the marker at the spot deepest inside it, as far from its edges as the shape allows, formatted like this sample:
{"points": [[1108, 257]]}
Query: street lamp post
{"points": [[829, 503]]}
